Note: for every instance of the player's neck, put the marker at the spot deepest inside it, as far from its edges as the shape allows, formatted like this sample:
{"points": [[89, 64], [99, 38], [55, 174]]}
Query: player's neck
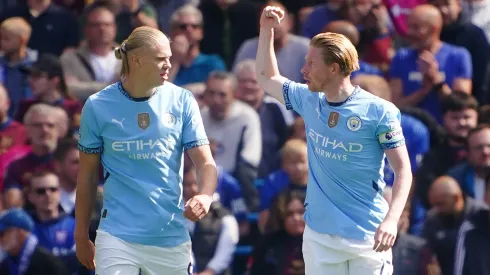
{"points": [[137, 89], [47, 215], [339, 90]]}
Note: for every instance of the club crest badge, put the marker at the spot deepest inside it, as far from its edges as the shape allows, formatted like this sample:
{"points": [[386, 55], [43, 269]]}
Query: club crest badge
{"points": [[333, 119], [169, 120], [143, 120], [354, 123]]}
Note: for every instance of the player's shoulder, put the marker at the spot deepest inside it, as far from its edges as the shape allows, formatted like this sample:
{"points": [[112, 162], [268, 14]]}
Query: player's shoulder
{"points": [[109, 92], [367, 98], [171, 88]]}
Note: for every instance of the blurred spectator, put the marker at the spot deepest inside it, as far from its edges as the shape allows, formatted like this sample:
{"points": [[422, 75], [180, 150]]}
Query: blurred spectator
{"points": [[130, 14], [165, 9], [227, 24], [214, 237], [472, 174], [53, 228], [321, 16], [477, 11], [54, 29], [293, 175], [67, 161], [464, 34], [48, 86], [298, 129], [62, 122], [40, 122], [8, 4], [24, 254], [275, 119], [410, 254], [449, 209], [423, 74], [75, 6], [93, 65], [197, 89], [484, 114], [280, 252], [290, 49], [459, 116], [235, 127], [14, 36], [399, 10], [350, 31], [189, 65], [12, 133]]}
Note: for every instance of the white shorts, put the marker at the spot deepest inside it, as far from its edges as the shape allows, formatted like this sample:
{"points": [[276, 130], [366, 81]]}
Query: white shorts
{"points": [[114, 256], [326, 254]]}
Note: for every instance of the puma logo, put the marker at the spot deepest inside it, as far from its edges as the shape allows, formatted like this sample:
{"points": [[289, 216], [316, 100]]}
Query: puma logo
{"points": [[118, 122]]}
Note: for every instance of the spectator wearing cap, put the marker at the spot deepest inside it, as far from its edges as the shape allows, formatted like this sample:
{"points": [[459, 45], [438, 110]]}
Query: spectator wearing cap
{"points": [[290, 49], [424, 73], [54, 29], [93, 65], [189, 64], [40, 122], [15, 33], [24, 254], [47, 82], [462, 33]]}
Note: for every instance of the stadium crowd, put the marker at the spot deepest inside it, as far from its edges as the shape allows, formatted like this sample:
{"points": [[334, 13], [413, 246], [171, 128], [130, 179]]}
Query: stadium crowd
{"points": [[56, 53]]}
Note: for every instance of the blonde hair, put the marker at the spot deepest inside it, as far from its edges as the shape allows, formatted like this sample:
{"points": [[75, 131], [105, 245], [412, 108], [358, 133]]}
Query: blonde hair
{"points": [[139, 38], [374, 84], [18, 26], [336, 48], [39, 109], [293, 148], [246, 64]]}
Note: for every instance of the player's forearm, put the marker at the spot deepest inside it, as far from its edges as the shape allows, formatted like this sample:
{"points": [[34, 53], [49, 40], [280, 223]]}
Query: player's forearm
{"points": [[266, 62], [401, 190], [84, 204], [208, 178]]}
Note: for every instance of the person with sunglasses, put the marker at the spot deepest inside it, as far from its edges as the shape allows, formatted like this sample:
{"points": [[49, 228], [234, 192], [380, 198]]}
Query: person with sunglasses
{"points": [[189, 64]]}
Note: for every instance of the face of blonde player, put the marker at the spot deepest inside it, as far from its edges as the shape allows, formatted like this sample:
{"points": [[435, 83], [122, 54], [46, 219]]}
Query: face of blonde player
{"points": [[154, 62], [294, 223], [316, 73]]}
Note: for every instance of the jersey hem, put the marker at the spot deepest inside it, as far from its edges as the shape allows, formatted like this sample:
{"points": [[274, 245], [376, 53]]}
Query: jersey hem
{"points": [[285, 94], [90, 150], [196, 143], [159, 241]]}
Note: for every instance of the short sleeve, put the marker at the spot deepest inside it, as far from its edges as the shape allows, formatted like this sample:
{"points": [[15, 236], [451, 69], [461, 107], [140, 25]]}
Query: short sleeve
{"points": [[389, 130], [464, 65], [90, 140], [294, 95], [193, 134]]}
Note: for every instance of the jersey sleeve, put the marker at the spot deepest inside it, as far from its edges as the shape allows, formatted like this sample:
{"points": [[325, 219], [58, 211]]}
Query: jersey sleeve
{"points": [[193, 134], [389, 130], [90, 140], [294, 95]]}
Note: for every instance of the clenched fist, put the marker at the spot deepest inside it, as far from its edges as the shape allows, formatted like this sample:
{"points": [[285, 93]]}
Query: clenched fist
{"points": [[197, 207], [271, 17]]}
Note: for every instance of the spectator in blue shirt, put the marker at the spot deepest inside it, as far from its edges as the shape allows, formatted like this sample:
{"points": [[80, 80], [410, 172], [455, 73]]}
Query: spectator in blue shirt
{"points": [[293, 175], [53, 228], [189, 65], [427, 71]]}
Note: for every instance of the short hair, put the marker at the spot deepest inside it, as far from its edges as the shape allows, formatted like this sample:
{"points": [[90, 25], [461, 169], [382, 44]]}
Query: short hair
{"points": [[293, 148], [64, 146], [476, 130], [279, 210], [246, 64], [223, 75], [484, 114], [188, 9], [18, 26], [39, 108], [141, 37], [459, 101], [337, 48], [41, 174], [101, 4]]}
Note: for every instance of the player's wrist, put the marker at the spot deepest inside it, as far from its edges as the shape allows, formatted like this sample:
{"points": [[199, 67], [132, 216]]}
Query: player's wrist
{"points": [[266, 29]]}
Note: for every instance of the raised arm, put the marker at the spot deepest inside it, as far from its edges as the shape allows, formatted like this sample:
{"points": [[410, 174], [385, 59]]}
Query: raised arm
{"points": [[267, 71]]}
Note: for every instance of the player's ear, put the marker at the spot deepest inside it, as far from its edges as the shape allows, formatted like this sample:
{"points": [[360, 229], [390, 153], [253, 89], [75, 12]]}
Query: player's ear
{"points": [[136, 60]]}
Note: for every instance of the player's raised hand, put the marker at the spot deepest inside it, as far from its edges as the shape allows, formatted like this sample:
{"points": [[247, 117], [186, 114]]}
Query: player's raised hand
{"points": [[271, 17], [197, 207], [385, 235], [85, 250]]}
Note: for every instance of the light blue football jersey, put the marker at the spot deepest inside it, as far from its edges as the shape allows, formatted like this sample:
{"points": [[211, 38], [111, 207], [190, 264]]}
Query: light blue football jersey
{"points": [[346, 143], [142, 143]]}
